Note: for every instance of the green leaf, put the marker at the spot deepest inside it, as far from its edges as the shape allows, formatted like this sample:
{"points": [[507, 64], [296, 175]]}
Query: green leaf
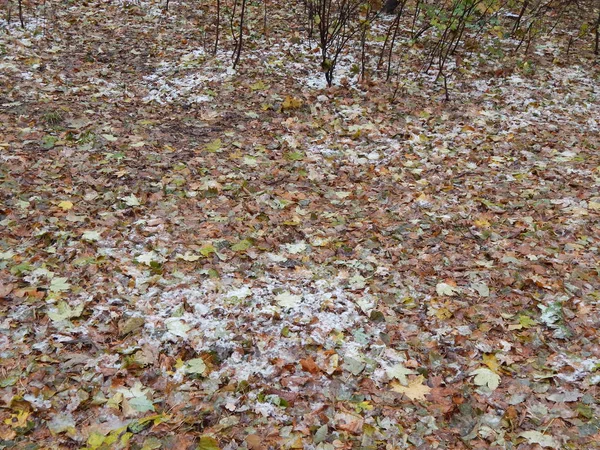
{"points": [[353, 366], [195, 366], [188, 256], [48, 142], [399, 372], [446, 289], [214, 146], [148, 258], [178, 327], [207, 250], [294, 156], [110, 137], [321, 434], [59, 284], [95, 440], [6, 255], [536, 437], [242, 246], [258, 86], [208, 443], [91, 236], [482, 289], [526, 322], [10, 380], [63, 311], [485, 377], [131, 200], [141, 404]]}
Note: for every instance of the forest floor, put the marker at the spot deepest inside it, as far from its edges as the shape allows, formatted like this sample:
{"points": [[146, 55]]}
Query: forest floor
{"points": [[193, 256]]}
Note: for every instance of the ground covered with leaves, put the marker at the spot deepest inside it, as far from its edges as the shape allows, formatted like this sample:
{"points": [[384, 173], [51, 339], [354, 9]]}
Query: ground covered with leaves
{"points": [[193, 256]]}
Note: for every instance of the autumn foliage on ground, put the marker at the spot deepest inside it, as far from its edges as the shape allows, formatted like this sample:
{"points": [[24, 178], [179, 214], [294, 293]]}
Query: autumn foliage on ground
{"points": [[200, 256]]}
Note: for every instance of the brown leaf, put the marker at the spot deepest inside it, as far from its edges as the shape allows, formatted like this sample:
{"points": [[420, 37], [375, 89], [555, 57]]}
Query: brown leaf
{"points": [[349, 422], [255, 442], [5, 289], [309, 365]]}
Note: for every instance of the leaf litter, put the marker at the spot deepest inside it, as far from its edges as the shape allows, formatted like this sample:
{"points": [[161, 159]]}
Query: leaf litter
{"points": [[197, 257]]}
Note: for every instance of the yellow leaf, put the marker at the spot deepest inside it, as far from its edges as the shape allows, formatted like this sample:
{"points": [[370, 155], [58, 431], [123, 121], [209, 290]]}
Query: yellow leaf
{"points": [[65, 205], [482, 223], [443, 313], [291, 103], [18, 420], [489, 359], [415, 390], [95, 440]]}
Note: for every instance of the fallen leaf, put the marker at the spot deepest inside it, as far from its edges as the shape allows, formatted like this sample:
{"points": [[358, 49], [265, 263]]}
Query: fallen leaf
{"points": [[255, 442], [242, 246], [131, 200], [536, 437], [65, 205], [6, 289], [177, 327], [489, 359], [59, 284], [290, 103], [485, 377], [208, 443], [399, 372], [63, 311], [288, 300], [195, 366], [446, 289], [348, 422], [91, 236], [309, 365], [415, 390]]}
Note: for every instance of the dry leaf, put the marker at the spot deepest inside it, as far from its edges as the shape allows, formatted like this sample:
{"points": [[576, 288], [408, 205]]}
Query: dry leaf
{"points": [[415, 390]]}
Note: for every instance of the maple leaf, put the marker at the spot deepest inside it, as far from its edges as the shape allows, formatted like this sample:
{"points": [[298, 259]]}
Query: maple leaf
{"points": [[399, 372], [489, 359], [149, 257], [63, 311], [446, 289], [485, 377], [208, 443], [131, 200], [415, 390], [298, 247], [536, 437], [213, 146], [290, 103], [178, 327], [91, 236], [188, 256], [195, 366], [65, 205], [242, 246], [59, 284], [288, 300]]}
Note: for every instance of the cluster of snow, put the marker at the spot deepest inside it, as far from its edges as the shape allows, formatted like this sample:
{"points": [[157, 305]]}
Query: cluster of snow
{"points": [[223, 318], [538, 101], [34, 27], [167, 85], [278, 315]]}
